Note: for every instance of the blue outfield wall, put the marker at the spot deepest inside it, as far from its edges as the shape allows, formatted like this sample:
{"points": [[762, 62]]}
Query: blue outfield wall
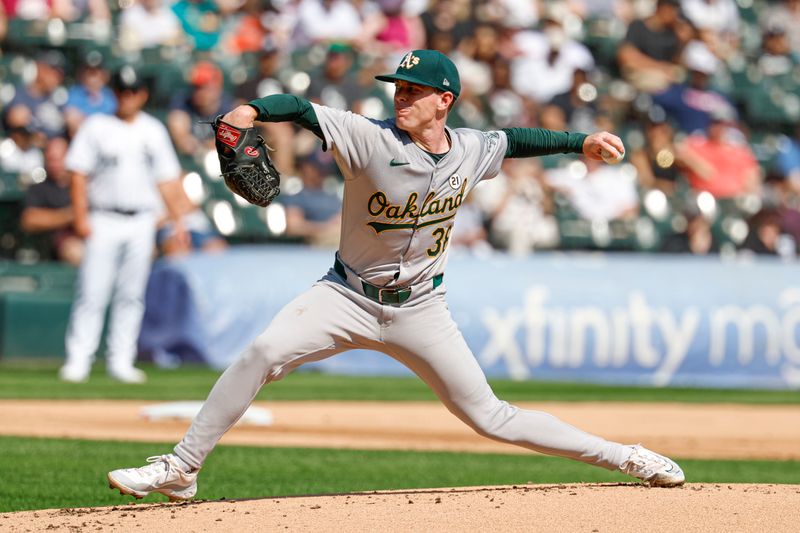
{"points": [[627, 318]]}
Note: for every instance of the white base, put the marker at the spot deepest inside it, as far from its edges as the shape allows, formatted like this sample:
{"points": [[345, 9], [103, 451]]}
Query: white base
{"points": [[254, 416]]}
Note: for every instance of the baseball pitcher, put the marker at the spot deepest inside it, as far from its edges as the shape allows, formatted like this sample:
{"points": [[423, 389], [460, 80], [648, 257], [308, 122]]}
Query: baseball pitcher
{"points": [[405, 179]]}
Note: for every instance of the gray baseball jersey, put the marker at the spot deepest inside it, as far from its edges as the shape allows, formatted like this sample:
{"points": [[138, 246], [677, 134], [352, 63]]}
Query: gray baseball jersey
{"points": [[400, 203]]}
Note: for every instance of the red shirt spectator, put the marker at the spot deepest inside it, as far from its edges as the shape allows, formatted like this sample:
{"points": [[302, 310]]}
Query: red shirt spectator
{"points": [[391, 30], [718, 165], [246, 31]]}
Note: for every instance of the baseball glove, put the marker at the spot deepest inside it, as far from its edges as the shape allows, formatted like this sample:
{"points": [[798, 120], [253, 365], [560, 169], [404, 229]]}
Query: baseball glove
{"points": [[245, 163]]}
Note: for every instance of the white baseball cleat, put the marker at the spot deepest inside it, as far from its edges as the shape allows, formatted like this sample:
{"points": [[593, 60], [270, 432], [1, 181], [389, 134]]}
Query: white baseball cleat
{"points": [[654, 469], [73, 374], [162, 475], [130, 374]]}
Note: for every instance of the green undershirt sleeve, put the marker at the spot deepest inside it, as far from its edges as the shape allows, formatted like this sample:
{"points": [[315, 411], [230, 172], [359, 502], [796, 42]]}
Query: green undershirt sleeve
{"points": [[530, 142], [287, 108]]}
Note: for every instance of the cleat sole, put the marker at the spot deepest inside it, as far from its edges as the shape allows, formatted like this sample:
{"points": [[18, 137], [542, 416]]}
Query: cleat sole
{"points": [[124, 491]]}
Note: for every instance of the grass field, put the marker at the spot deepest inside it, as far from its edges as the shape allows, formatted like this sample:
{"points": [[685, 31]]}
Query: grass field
{"points": [[37, 379], [71, 473], [50, 473]]}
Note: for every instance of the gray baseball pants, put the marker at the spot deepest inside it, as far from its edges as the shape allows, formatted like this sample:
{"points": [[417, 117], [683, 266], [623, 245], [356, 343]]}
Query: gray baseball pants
{"points": [[332, 317]]}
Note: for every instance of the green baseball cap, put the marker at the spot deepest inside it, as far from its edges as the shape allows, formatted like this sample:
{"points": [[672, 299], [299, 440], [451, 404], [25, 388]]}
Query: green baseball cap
{"points": [[427, 67]]}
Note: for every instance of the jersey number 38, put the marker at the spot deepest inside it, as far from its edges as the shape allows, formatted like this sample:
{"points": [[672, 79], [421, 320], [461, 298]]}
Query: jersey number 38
{"points": [[442, 237]]}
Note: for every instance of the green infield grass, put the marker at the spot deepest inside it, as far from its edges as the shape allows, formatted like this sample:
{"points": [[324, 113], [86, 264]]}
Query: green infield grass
{"points": [[38, 379], [50, 473]]}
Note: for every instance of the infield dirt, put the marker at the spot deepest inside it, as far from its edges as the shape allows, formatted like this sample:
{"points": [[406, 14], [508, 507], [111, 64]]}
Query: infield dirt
{"points": [[707, 431]]}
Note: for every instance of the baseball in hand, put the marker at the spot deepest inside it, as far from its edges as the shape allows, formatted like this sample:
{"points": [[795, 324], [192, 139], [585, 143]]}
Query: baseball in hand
{"points": [[612, 158]]}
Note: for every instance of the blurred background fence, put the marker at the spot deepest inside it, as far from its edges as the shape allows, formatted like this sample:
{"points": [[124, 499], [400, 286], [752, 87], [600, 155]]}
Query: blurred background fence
{"points": [[663, 320]]}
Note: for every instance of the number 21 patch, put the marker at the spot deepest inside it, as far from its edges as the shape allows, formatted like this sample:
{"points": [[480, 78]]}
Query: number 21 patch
{"points": [[454, 181]]}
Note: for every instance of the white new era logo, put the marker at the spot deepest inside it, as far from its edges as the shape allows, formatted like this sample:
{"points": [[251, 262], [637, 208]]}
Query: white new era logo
{"points": [[446, 83]]}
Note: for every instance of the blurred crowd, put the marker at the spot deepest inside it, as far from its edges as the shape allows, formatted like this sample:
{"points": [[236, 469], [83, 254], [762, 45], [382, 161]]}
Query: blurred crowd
{"points": [[705, 94]]}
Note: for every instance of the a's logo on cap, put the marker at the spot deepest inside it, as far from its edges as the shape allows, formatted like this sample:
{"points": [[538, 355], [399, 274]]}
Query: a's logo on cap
{"points": [[446, 83], [409, 61]]}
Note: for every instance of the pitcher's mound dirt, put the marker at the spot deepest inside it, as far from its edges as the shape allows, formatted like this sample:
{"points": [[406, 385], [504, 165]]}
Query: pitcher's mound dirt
{"points": [[587, 508]]}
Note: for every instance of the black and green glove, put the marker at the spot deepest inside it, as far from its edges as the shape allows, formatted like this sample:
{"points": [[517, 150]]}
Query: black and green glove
{"points": [[245, 163]]}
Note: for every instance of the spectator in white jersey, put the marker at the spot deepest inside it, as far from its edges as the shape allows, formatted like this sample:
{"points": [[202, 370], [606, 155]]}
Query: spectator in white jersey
{"points": [[120, 165], [21, 154], [148, 24]]}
